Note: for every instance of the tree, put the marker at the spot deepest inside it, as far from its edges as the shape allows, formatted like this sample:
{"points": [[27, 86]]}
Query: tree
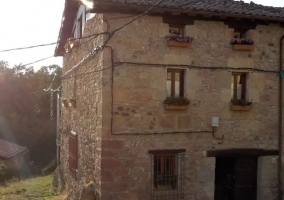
{"points": [[25, 108]]}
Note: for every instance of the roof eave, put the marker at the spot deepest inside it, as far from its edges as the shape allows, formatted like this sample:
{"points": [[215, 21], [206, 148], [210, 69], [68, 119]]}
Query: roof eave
{"points": [[68, 16], [103, 7]]}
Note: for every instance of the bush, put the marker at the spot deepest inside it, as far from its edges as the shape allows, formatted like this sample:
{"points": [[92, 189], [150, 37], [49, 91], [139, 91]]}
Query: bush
{"points": [[49, 168], [5, 173]]}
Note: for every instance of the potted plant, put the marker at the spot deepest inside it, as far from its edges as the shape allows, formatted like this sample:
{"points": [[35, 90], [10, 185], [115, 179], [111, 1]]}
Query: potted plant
{"points": [[241, 105], [175, 40], [242, 44], [73, 42], [176, 103], [72, 102], [64, 102], [165, 181]]}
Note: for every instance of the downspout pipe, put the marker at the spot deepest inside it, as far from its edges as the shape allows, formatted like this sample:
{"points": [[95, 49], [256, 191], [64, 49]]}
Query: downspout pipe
{"points": [[280, 138]]}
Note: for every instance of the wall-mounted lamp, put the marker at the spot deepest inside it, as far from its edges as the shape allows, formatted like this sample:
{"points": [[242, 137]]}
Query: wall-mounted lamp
{"points": [[215, 124]]}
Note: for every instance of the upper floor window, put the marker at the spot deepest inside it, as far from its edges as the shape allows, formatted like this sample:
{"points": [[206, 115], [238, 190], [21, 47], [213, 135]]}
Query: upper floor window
{"points": [[239, 86], [175, 82], [176, 29], [238, 33], [167, 173], [79, 23], [73, 154]]}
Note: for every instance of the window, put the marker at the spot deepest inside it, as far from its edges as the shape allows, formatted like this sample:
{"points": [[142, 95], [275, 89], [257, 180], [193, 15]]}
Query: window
{"points": [[176, 29], [73, 154], [175, 82], [79, 23], [167, 173], [240, 33], [78, 28], [239, 86]]}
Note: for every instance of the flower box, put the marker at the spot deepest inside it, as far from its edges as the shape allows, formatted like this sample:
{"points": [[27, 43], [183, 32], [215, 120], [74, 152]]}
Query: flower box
{"points": [[243, 47], [64, 103], [176, 107], [240, 107], [72, 104], [173, 43], [176, 103]]}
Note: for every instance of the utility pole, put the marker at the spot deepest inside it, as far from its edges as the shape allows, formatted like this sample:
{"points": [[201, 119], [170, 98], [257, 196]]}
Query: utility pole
{"points": [[58, 128]]}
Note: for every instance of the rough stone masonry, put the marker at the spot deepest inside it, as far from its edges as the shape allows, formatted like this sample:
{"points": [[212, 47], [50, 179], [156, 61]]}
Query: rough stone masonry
{"points": [[116, 160]]}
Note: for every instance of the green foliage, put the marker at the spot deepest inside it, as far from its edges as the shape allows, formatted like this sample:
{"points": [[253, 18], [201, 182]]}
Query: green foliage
{"points": [[50, 167], [72, 100], [34, 188], [5, 173], [25, 108], [176, 101]]}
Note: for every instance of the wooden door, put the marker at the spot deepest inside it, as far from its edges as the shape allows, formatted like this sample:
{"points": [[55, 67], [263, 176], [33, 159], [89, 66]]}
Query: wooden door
{"points": [[245, 178]]}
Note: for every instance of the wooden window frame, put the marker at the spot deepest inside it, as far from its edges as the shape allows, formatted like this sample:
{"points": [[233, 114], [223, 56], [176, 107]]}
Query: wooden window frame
{"points": [[181, 82], [243, 81], [180, 27], [241, 33], [73, 155]]}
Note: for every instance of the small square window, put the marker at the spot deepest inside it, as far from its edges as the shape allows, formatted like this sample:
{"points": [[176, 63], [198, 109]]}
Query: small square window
{"points": [[167, 173], [176, 29], [175, 82], [240, 33], [239, 86]]}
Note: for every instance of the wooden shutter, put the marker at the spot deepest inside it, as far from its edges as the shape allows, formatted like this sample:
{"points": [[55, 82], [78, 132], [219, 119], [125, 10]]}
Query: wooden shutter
{"points": [[73, 154]]}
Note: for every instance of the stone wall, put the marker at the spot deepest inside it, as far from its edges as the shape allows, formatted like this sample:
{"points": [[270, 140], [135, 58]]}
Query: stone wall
{"points": [[117, 160], [19, 164], [267, 178], [139, 91], [85, 119]]}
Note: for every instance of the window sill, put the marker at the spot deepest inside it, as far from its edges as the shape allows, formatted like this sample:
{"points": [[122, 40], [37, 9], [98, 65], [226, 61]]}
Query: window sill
{"points": [[176, 107], [243, 47], [173, 43], [240, 108], [164, 187]]}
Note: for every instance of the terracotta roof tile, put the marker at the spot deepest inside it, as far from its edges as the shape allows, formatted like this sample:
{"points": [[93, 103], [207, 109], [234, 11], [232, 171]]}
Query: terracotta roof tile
{"points": [[9, 149]]}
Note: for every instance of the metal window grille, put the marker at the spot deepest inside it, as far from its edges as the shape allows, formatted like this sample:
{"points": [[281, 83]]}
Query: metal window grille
{"points": [[73, 154], [167, 176]]}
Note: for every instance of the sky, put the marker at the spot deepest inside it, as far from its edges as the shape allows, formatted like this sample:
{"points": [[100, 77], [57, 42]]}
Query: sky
{"points": [[27, 23], [34, 22]]}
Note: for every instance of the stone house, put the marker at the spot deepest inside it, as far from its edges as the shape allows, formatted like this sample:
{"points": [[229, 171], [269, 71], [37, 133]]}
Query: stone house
{"points": [[14, 156], [130, 70]]}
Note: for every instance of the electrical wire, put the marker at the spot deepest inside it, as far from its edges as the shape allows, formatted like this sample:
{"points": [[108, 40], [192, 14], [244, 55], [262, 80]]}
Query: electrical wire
{"points": [[48, 44], [100, 70], [116, 64], [37, 61], [96, 49], [195, 67]]}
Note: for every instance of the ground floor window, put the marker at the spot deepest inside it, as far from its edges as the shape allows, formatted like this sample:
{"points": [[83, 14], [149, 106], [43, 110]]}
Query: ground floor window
{"points": [[167, 173]]}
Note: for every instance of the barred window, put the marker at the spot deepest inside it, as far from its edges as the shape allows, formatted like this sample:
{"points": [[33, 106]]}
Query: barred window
{"points": [[167, 174], [73, 154]]}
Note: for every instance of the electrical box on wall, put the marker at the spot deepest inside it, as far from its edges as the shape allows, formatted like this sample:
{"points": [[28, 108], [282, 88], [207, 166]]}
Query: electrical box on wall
{"points": [[215, 122]]}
